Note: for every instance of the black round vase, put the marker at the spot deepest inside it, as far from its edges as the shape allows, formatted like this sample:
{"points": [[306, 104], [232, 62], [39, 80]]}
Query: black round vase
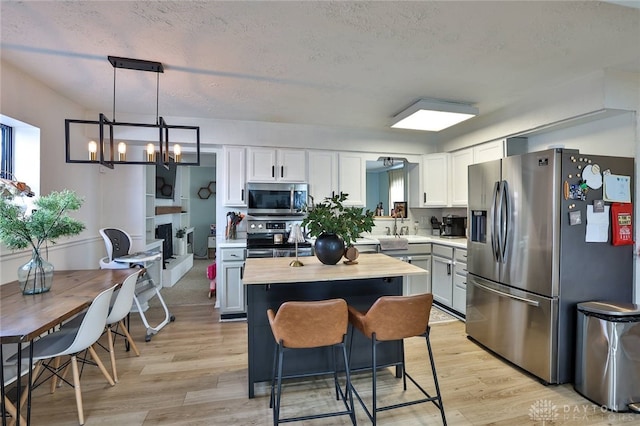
{"points": [[329, 248]]}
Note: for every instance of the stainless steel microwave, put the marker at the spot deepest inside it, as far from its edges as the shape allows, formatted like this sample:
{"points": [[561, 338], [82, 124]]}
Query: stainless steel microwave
{"points": [[276, 198]]}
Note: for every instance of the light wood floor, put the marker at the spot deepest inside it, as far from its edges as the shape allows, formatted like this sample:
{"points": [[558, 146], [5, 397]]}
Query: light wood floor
{"points": [[194, 372]]}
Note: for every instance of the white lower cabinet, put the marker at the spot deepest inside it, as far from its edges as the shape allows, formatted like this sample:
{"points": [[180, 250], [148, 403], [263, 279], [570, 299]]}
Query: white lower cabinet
{"points": [[442, 274], [418, 284], [459, 302], [230, 290]]}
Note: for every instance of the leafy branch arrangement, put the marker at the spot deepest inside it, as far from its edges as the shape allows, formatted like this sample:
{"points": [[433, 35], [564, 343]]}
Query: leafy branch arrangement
{"points": [[47, 222], [332, 217]]}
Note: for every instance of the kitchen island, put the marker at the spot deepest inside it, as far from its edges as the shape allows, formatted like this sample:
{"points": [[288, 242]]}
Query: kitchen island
{"points": [[270, 282]]}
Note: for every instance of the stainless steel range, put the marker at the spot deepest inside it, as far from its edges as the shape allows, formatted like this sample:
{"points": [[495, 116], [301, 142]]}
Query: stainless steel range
{"points": [[268, 237]]}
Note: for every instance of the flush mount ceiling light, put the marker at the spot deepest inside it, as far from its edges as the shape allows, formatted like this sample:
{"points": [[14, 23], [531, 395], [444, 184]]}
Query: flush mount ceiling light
{"points": [[433, 115], [149, 143]]}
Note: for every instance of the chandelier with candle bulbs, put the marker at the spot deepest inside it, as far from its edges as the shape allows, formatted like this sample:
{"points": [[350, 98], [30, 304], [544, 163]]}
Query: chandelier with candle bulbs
{"points": [[100, 136]]}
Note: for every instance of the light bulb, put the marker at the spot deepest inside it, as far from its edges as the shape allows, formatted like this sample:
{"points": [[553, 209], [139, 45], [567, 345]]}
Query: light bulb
{"points": [[151, 151], [177, 151], [122, 151], [93, 149]]}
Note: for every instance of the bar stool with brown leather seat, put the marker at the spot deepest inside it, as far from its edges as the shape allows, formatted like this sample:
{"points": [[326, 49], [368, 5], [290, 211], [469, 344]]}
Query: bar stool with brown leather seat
{"points": [[302, 325], [396, 318]]}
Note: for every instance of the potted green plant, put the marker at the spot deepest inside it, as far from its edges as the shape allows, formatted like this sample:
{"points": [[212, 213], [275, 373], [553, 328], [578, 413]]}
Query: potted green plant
{"points": [[335, 226], [181, 232], [46, 223], [181, 241]]}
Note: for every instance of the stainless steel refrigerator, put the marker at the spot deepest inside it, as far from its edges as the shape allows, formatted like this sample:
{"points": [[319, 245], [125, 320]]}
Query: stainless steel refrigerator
{"points": [[529, 263]]}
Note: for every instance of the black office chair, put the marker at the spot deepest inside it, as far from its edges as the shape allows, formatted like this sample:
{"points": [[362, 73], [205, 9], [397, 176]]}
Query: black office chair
{"points": [[118, 244]]}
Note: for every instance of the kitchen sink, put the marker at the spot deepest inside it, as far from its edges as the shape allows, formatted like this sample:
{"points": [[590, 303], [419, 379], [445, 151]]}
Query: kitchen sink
{"points": [[393, 243]]}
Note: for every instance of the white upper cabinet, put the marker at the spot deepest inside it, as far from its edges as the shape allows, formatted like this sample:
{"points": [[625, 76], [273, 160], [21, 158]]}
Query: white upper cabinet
{"points": [[323, 174], [235, 176], [436, 180], [460, 161], [352, 178], [271, 165], [488, 151]]}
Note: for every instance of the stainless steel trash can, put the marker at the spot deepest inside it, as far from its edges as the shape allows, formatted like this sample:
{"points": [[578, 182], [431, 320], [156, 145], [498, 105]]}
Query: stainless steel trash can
{"points": [[608, 354]]}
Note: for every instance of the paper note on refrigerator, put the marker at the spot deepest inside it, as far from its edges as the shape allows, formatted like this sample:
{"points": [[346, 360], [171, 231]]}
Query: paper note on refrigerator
{"points": [[617, 188], [597, 225]]}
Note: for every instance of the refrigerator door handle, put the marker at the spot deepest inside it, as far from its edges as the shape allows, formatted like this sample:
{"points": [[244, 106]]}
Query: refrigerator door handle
{"points": [[500, 222], [510, 296], [505, 209], [494, 223]]}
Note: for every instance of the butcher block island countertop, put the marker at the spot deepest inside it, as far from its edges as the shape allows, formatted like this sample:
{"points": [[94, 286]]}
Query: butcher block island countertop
{"points": [[370, 265]]}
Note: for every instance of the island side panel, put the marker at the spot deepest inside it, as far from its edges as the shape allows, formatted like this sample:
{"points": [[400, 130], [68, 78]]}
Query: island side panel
{"points": [[358, 293]]}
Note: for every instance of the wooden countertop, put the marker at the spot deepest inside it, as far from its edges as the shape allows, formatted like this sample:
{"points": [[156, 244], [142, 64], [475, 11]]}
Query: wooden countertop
{"points": [[370, 265]]}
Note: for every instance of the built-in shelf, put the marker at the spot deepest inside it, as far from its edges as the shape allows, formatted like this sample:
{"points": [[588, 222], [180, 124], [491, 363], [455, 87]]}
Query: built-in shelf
{"points": [[168, 210]]}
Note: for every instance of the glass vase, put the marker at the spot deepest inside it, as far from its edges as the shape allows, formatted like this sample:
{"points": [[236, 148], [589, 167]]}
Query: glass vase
{"points": [[36, 275]]}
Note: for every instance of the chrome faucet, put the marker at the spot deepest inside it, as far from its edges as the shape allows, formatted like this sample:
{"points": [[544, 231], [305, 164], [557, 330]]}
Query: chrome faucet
{"points": [[395, 225]]}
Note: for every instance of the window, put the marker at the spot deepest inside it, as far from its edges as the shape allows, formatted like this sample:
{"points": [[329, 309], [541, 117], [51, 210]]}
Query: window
{"points": [[20, 152], [396, 186], [6, 152]]}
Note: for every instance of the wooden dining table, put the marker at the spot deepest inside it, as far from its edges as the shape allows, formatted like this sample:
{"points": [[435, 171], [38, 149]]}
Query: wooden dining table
{"points": [[24, 318]]}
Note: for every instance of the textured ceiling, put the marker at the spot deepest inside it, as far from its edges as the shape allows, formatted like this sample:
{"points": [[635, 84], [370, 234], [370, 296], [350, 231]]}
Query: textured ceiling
{"points": [[332, 63]]}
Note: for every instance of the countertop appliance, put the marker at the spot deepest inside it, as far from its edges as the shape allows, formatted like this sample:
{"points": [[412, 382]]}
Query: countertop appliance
{"points": [[529, 264], [453, 226], [268, 237], [436, 226], [276, 198]]}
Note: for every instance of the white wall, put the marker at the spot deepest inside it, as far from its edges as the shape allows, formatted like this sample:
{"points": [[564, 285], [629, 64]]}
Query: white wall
{"points": [[614, 136], [596, 95], [28, 100]]}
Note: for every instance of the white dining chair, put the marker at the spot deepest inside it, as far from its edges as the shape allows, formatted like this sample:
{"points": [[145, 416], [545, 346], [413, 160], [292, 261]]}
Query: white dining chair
{"points": [[119, 311], [122, 300], [64, 342]]}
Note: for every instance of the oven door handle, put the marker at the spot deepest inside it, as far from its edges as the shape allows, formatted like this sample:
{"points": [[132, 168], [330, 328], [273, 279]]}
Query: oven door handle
{"points": [[257, 253]]}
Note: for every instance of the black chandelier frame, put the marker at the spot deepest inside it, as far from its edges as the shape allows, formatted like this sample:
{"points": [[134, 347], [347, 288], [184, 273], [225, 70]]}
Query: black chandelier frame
{"points": [[107, 126]]}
